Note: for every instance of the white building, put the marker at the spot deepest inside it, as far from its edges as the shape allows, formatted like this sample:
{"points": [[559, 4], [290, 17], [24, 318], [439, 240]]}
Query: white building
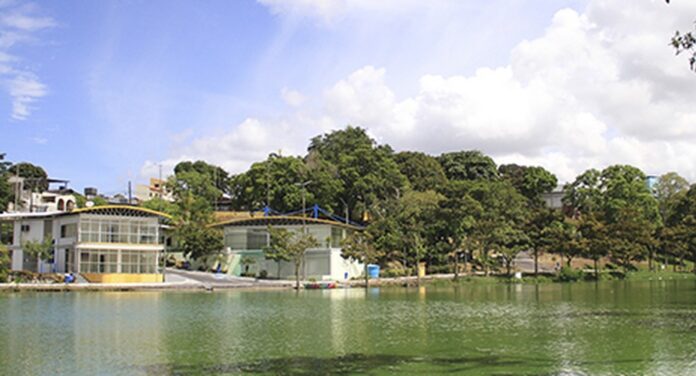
{"points": [[48, 201], [246, 238], [104, 244]]}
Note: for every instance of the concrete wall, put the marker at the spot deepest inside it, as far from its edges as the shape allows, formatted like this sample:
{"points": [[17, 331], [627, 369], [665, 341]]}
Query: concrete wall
{"points": [[319, 264]]}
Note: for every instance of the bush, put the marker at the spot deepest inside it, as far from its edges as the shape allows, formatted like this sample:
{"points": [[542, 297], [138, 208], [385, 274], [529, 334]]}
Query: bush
{"points": [[263, 274], [394, 273], [248, 274], [440, 269], [568, 274]]}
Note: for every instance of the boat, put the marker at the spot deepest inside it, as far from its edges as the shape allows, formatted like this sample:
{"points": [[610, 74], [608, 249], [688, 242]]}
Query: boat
{"points": [[320, 285]]}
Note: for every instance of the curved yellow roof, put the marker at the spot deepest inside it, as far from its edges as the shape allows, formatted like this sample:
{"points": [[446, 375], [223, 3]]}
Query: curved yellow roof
{"points": [[283, 219], [94, 209]]}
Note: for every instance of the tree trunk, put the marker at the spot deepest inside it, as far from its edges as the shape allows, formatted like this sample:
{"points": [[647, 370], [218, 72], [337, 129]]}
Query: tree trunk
{"points": [[681, 262], [508, 266], [596, 269], [456, 265], [367, 277], [536, 262], [278, 269], [297, 275], [650, 260]]}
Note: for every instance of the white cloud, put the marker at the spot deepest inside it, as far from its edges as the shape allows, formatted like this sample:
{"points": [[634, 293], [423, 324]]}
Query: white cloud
{"points": [[599, 87], [19, 24], [292, 97], [331, 10], [24, 89]]}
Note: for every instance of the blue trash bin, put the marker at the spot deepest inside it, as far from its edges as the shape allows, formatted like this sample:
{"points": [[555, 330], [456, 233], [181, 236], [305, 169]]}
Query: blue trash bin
{"points": [[373, 271]]}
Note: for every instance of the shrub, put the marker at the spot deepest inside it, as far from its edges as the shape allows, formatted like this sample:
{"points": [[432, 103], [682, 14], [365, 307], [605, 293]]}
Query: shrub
{"points": [[263, 274], [568, 274]]}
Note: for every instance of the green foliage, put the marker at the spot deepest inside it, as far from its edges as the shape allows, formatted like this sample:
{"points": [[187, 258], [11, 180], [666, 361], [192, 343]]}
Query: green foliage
{"points": [[199, 179], [41, 250], [278, 249], [216, 175], [5, 192], [568, 274], [5, 263], [670, 188], [293, 245], [367, 171], [160, 205], [530, 181], [194, 235], [36, 177], [359, 247], [423, 171], [274, 182], [468, 165]]}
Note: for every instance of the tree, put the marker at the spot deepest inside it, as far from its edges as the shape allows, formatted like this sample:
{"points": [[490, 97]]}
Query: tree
{"points": [[367, 171], [669, 189], [468, 165], [36, 179], [278, 248], [200, 179], [42, 251], [5, 263], [562, 238], [192, 227], [296, 247], [274, 182], [540, 218], [530, 181], [358, 247], [161, 205], [453, 225], [503, 213], [630, 237], [5, 192], [215, 174], [685, 42], [584, 194], [509, 242], [594, 240], [423, 171]]}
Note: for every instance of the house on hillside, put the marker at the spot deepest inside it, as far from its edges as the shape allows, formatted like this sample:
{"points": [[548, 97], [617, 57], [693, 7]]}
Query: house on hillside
{"points": [[111, 244], [246, 237]]}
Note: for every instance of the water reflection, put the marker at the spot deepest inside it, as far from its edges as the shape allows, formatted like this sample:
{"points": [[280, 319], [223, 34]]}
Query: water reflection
{"points": [[591, 328]]}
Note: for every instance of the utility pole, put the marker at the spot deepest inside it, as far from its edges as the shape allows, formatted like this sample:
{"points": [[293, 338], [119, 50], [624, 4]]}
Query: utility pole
{"points": [[161, 187], [304, 204]]}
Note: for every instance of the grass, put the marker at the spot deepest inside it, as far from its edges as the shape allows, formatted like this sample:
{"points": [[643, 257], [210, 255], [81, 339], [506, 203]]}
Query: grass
{"points": [[639, 275]]}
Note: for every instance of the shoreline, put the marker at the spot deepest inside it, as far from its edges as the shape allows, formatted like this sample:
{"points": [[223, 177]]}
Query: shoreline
{"points": [[437, 280]]}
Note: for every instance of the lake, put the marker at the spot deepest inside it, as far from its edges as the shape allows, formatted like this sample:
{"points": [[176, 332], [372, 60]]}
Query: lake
{"points": [[608, 328]]}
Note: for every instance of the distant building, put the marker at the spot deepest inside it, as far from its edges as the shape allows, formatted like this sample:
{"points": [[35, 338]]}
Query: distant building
{"points": [[156, 189], [52, 200], [651, 181], [554, 199], [246, 237], [113, 244]]}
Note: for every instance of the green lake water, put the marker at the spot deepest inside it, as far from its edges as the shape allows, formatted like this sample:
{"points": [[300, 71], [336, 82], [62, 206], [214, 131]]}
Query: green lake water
{"points": [[611, 328]]}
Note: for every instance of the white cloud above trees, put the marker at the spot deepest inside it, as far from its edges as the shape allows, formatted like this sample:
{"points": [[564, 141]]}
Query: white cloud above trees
{"points": [[599, 87]]}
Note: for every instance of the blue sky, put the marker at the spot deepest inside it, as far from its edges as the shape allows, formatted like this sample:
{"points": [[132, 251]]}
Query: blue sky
{"points": [[111, 89]]}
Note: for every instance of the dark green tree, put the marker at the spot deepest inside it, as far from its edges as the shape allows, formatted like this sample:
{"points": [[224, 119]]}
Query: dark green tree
{"points": [[468, 165], [36, 179], [423, 171], [275, 182], [367, 171]]}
